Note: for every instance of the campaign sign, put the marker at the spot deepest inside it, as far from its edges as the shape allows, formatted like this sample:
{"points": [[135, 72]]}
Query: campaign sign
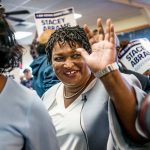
{"points": [[136, 55], [54, 20]]}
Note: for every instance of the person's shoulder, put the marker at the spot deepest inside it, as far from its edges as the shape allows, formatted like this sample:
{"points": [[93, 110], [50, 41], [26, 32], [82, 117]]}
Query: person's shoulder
{"points": [[23, 100], [23, 93]]}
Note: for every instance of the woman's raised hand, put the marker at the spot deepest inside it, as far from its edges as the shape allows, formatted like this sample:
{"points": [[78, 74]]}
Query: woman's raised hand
{"points": [[103, 46], [94, 37]]}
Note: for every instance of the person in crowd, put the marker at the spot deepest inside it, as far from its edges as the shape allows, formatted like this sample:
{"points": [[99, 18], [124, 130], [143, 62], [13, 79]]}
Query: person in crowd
{"points": [[33, 52], [27, 80], [33, 46], [43, 75], [94, 105], [22, 114]]}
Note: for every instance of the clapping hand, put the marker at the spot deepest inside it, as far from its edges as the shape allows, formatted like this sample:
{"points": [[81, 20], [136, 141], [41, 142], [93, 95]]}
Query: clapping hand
{"points": [[103, 46]]}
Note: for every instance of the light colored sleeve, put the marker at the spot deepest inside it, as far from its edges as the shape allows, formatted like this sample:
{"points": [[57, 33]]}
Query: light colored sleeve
{"points": [[119, 138], [40, 132]]}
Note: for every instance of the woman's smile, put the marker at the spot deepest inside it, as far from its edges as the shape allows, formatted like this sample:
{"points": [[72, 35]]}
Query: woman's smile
{"points": [[71, 73]]}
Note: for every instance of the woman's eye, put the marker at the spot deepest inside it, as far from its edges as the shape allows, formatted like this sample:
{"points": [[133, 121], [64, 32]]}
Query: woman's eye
{"points": [[76, 56], [59, 58]]}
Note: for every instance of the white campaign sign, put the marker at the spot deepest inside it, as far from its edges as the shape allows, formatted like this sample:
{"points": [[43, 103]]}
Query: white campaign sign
{"points": [[136, 56], [54, 20]]}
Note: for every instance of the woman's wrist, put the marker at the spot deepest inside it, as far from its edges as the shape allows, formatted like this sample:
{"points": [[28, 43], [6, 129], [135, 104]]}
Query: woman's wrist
{"points": [[109, 68]]}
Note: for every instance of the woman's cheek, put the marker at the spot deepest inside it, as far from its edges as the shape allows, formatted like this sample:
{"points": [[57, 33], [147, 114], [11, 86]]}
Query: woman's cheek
{"points": [[57, 67]]}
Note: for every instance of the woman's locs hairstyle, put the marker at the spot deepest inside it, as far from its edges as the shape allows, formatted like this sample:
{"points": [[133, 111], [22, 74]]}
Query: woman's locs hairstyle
{"points": [[71, 35], [10, 50]]}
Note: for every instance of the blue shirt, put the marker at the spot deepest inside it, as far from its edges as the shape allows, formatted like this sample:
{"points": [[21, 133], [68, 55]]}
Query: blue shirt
{"points": [[24, 122]]}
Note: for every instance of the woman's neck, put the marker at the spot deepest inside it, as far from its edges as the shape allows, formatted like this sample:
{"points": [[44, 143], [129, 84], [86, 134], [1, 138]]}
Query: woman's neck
{"points": [[70, 92], [3, 80]]}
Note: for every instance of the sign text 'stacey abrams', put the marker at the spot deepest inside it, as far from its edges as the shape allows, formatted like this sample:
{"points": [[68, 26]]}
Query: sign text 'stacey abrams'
{"points": [[54, 20], [136, 56]]}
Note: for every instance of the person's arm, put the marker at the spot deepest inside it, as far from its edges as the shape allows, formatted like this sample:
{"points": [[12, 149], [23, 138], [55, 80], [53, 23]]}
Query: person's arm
{"points": [[121, 93], [40, 130], [124, 100]]}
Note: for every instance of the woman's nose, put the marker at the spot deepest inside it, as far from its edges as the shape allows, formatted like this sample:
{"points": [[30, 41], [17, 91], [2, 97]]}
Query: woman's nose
{"points": [[68, 64]]}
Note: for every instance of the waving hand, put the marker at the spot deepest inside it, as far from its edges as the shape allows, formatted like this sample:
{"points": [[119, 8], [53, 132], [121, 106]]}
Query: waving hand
{"points": [[103, 47]]}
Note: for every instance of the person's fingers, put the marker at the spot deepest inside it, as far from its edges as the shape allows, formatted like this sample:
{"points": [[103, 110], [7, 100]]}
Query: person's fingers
{"points": [[100, 26], [106, 37], [96, 38], [108, 23], [92, 41], [112, 34], [99, 22], [100, 29], [101, 37], [88, 31]]}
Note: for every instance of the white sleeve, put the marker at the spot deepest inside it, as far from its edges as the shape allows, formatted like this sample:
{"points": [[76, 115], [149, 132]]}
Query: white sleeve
{"points": [[120, 140], [40, 132]]}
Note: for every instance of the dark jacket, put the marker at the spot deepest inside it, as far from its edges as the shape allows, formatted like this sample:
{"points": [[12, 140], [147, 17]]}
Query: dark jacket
{"points": [[144, 80], [43, 75], [27, 83]]}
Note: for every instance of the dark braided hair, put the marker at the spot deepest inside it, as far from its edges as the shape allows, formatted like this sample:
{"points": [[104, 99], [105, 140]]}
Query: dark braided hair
{"points": [[71, 35], [10, 50]]}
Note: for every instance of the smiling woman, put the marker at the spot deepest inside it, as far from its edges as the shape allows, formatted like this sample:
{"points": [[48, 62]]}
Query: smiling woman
{"points": [[69, 66], [87, 104]]}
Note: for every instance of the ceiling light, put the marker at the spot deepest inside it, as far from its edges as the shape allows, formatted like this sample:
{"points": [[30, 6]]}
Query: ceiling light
{"points": [[20, 35], [77, 16]]}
